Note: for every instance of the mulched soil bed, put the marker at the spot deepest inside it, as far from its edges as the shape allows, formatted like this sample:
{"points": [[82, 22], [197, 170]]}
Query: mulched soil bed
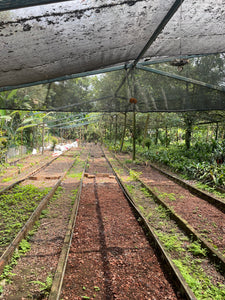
{"points": [[23, 167], [46, 244], [50, 175], [204, 217], [110, 257], [175, 241]]}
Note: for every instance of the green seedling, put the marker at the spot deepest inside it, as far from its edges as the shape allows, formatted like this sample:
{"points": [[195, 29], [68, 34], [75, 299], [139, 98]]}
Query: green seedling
{"points": [[44, 286], [7, 179], [196, 249]]}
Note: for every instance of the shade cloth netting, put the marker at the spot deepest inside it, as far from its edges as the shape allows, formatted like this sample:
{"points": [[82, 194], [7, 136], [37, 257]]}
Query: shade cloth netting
{"points": [[44, 43]]}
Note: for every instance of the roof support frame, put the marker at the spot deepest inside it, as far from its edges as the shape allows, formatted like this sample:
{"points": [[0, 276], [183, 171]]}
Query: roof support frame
{"points": [[96, 72], [153, 37], [66, 77], [181, 78]]}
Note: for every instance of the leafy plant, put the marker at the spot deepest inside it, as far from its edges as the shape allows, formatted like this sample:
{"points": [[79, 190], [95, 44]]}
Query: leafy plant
{"points": [[196, 249], [16, 207], [44, 286], [24, 246], [7, 179], [6, 275], [134, 175]]}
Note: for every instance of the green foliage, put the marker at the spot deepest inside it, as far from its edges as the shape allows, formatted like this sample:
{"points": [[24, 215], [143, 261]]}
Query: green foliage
{"points": [[24, 246], [199, 162], [171, 242], [44, 286], [199, 282], [7, 275], [57, 194], [196, 249], [134, 174], [44, 213], [163, 212], [148, 143], [7, 179], [16, 207], [75, 175], [54, 141], [209, 189]]}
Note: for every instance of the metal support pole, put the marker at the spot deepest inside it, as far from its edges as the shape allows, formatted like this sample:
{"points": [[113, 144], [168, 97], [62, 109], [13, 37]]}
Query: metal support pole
{"points": [[134, 133], [43, 135]]}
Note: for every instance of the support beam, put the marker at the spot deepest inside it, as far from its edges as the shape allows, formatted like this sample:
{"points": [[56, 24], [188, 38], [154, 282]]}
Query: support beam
{"points": [[66, 77], [94, 72], [14, 4], [153, 37], [159, 29], [155, 60], [182, 78]]}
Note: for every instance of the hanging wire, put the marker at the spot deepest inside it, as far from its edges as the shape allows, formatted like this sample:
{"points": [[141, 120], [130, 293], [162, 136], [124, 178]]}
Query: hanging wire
{"points": [[180, 20]]}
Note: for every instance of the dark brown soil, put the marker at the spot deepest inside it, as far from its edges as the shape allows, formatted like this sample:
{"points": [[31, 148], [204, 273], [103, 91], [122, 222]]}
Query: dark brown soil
{"points": [[110, 257]]}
